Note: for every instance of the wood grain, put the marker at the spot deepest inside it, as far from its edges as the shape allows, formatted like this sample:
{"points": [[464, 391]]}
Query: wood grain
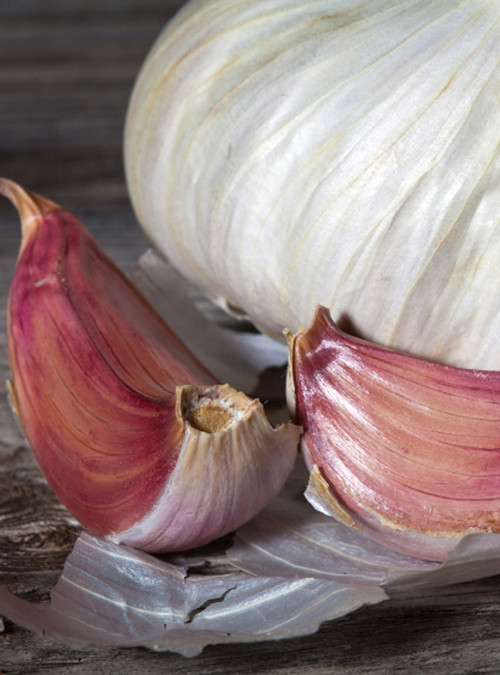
{"points": [[66, 71]]}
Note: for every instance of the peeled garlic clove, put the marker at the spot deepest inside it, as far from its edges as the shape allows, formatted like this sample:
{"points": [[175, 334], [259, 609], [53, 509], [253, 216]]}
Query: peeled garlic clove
{"points": [[405, 449], [96, 375]]}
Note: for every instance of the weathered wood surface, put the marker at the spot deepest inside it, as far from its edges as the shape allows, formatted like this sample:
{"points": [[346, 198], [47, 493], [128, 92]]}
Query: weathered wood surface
{"points": [[66, 70]]}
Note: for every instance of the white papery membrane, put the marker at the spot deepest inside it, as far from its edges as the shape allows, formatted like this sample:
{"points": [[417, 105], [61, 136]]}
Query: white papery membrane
{"points": [[288, 570], [293, 570], [113, 595]]}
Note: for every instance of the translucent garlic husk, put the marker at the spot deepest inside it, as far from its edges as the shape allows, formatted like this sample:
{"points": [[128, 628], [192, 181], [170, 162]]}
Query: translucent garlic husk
{"points": [[284, 154]]}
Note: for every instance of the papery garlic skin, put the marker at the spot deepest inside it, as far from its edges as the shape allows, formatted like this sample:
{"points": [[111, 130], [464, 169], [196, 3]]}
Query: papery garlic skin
{"points": [[284, 154], [96, 379], [405, 449]]}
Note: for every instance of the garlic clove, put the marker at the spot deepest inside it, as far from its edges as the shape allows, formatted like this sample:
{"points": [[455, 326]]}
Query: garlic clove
{"points": [[96, 375], [405, 449]]}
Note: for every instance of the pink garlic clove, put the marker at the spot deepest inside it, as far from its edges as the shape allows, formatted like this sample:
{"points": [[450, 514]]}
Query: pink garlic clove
{"points": [[133, 434], [406, 449]]}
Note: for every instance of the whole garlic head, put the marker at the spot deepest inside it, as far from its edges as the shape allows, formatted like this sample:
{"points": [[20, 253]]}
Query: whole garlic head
{"points": [[284, 154]]}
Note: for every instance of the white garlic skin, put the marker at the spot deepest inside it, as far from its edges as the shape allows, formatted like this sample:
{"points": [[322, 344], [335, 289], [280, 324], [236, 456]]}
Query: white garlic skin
{"points": [[288, 153]]}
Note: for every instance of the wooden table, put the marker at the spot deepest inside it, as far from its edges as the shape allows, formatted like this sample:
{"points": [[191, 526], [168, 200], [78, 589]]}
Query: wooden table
{"points": [[66, 71]]}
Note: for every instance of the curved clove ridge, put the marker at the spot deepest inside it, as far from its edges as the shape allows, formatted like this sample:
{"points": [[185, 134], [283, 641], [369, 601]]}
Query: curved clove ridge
{"points": [[406, 449], [133, 434]]}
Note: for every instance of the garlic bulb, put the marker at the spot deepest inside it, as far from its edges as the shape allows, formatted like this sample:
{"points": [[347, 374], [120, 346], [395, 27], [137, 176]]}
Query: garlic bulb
{"points": [[284, 154], [133, 434], [404, 449]]}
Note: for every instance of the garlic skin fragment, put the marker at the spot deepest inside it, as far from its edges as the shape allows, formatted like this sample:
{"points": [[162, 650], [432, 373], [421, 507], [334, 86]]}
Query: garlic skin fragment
{"points": [[407, 450], [285, 154], [98, 381]]}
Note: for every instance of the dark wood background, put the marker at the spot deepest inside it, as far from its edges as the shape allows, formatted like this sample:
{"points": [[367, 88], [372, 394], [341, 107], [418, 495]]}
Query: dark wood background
{"points": [[66, 71]]}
